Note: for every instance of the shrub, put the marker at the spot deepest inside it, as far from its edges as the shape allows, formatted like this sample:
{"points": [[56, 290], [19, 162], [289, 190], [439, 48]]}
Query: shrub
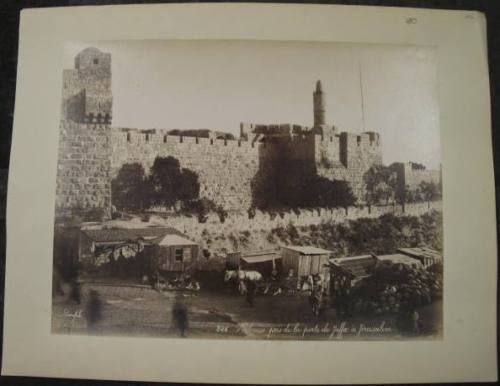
{"points": [[171, 183], [129, 188], [200, 207]]}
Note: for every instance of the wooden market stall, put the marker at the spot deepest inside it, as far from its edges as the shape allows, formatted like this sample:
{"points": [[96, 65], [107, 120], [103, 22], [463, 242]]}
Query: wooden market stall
{"points": [[175, 253], [302, 261]]}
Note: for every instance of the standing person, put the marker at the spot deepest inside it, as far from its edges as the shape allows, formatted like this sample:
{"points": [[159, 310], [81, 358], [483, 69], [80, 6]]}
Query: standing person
{"points": [[180, 316], [316, 298], [94, 311], [416, 322], [75, 293], [154, 280], [334, 293], [122, 265], [290, 283], [348, 298], [340, 296], [57, 289], [251, 288]]}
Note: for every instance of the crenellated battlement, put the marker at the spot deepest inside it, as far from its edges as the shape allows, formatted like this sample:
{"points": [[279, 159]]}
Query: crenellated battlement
{"points": [[92, 151], [132, 137]]}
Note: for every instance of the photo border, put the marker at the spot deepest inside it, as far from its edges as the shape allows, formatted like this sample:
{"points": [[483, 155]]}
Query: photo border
{"points": [[468, 349]]}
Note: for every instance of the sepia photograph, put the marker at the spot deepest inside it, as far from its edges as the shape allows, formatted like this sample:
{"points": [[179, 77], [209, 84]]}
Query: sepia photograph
{"points": [[265, 190]]}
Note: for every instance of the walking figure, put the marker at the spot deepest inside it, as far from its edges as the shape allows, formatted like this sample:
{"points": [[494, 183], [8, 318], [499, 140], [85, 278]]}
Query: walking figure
{"points": [[416, 322], [75, 293], [180, 317], [316, 299], [251, 288], [94, 311]]}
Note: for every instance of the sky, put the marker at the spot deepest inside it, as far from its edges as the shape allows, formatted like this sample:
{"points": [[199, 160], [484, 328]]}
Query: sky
{"points": [[175, 84]]}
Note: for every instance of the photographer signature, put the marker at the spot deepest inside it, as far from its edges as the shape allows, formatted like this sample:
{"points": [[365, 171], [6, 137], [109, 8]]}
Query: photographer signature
{"points": [[73, 315]]}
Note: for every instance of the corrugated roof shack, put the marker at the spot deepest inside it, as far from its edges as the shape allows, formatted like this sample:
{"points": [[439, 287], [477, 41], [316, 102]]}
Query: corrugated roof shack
{"points": [[399, 258], [175, 253], [427, 256], [305, 261], [354, 268]]}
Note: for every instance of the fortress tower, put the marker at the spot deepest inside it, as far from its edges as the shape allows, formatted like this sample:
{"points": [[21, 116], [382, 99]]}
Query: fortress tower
{"points": [[84, 162], [319, 105], [87, 96], [91, 151]]}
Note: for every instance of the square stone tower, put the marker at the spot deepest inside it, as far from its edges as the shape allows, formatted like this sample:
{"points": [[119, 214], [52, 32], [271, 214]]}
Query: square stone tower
{"points": [[84, 162], [87, 96]]}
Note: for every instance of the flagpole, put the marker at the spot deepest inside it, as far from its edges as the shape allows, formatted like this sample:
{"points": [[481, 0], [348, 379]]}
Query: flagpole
{"points": [[362, 97]]}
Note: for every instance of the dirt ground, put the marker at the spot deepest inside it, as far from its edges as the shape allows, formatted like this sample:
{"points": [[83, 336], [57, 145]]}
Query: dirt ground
{"points": [[141, 311]]}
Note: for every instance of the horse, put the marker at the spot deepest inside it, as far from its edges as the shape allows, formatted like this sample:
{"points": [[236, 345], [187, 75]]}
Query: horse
{"points": [[250, 275], [241, 275], [231, 275]]}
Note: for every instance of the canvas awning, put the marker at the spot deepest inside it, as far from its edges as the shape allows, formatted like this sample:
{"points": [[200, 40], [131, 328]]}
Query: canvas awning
{"points": [[120, 235], [254, 259], [308, 250]]}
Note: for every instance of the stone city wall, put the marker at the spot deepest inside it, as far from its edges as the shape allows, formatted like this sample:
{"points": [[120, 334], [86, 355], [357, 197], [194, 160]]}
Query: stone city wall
{"points": [[225, 168], [413, 178], [409, 177], [238, 222], [91, 152]]}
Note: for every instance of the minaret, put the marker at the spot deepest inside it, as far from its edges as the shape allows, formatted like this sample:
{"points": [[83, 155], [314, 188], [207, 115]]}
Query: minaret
{"points": [[319, 105]]}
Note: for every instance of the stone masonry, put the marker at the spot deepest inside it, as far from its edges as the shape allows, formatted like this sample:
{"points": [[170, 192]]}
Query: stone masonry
{"points": [[92, 151], [409, 176], [225, 168]]}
